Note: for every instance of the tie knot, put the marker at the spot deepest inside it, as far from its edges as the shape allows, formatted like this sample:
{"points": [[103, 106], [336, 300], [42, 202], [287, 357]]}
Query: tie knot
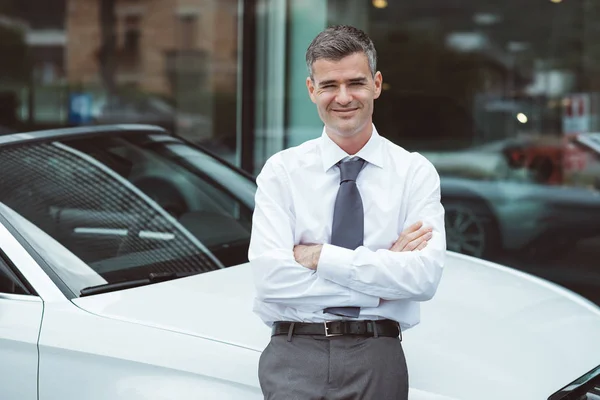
{"points": [[350, 169]]}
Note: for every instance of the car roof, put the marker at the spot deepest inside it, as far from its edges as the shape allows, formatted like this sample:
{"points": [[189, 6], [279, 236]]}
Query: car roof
{"points": [[76, 132]]}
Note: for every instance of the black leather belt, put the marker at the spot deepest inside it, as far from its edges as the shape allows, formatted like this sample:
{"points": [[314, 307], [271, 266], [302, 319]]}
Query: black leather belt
{"points": [[383, 327]]}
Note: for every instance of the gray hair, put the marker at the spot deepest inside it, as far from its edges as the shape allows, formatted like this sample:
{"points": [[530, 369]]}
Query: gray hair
{"points": [[339, 41]]}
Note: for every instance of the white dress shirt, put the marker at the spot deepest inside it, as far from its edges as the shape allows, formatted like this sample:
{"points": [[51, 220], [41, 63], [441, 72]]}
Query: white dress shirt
{"points": [[294, 205]]}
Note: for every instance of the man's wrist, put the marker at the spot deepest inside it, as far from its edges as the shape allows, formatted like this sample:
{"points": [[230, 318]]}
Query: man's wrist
{"points": [[316, 256]]}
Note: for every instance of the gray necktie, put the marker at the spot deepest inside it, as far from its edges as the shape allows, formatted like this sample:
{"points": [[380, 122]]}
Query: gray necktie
{"points": [[348, 220]]}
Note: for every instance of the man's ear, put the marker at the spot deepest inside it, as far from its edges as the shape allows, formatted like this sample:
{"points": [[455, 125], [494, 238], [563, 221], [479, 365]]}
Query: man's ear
{"points": [[378, 84], [310, 85]]}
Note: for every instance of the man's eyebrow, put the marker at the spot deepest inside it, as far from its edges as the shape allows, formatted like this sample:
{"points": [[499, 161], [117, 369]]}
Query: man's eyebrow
{"points": [[327, 82], [358, 80], [333, 81]]}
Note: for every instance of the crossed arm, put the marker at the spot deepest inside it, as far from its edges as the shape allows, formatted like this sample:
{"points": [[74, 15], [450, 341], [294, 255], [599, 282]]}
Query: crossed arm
{"points": [[414, 238], [312, 277]]}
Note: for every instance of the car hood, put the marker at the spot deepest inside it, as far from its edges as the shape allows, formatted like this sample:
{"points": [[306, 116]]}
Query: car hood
{"points": [[490, 332]]}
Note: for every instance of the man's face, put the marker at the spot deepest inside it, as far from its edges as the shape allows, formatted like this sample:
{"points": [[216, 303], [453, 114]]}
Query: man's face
{"points": [[344, 92]]}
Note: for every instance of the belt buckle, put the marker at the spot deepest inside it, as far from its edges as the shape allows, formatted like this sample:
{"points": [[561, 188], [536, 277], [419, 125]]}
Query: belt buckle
{"points": [[327, 334]]}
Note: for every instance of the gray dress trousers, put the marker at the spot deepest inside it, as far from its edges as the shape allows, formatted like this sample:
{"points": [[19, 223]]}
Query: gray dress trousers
{"points": [[335, 368]]}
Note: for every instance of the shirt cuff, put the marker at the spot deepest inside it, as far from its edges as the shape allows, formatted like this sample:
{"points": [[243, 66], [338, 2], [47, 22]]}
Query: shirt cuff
{"points": [[335, 265]]}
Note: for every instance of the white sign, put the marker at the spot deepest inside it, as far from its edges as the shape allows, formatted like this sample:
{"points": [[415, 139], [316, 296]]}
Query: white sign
{"points": [[577, 114]]}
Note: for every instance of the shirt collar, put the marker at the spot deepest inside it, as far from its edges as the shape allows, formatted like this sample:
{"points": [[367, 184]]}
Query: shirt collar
{"points": [[371, 152]]}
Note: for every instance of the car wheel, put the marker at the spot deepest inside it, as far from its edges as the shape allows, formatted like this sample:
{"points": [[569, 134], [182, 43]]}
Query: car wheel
{"points": [[470, 229]]}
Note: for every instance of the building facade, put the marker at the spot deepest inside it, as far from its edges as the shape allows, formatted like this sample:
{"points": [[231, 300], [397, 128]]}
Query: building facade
{"points": [[155, 40]]}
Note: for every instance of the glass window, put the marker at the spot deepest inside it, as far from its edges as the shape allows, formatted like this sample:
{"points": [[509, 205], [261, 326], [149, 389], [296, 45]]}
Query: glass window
{"points": [[188, 25], [504, 100], [9, 283], [130, 51], [68, 63], [117, 208]]}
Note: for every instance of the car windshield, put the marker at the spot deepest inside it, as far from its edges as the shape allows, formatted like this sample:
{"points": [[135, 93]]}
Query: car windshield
{"points": [[118, 207]]}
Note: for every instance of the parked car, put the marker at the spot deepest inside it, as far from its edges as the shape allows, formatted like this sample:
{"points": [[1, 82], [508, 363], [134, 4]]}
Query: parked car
{"points": [[123, 275], [540, 158], [500, 194], [493, 206]]}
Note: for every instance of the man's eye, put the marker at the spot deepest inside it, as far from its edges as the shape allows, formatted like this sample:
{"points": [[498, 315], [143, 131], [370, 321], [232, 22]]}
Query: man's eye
{"points": [[356, 84], [327, 86]]}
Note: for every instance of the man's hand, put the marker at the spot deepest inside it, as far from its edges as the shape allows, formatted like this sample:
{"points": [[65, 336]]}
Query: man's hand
{"points": [[415, 237], [308, 255]]}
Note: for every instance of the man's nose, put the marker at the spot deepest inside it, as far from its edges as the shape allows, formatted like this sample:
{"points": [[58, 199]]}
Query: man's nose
{"points": [[343, 96]]}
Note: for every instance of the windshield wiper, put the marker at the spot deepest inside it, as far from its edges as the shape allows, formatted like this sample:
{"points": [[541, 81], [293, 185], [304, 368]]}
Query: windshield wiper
{"points": [[154, 277]]}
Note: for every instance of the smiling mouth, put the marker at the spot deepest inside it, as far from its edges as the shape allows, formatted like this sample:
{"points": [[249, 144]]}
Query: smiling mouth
{"points": [[345, 110]]}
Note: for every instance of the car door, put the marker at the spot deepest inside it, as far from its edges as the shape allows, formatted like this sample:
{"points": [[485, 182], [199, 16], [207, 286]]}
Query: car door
{"points": [[20, 320]]}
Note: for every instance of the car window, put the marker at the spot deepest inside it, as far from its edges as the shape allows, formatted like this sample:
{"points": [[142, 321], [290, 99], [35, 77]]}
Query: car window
{"points": [[85, 204], [240, 186], [209, 199], [9, 282]]}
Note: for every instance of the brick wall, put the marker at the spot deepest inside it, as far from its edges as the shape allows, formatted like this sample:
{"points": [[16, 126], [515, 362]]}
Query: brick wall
{"points": [[83, 41], [159, 23]]}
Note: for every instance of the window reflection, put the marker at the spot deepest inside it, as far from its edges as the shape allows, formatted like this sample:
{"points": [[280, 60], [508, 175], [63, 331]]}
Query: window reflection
{"points": [[504, 101], [169, 63]]}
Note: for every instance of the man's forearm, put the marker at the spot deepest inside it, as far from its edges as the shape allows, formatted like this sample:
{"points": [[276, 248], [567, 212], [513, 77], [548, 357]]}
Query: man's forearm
{"points": [[386, 274], [414, 238], [280, 279]]}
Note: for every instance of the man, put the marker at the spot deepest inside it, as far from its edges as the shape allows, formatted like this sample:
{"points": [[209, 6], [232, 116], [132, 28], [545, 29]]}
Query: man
{"points": [[347, 239]]}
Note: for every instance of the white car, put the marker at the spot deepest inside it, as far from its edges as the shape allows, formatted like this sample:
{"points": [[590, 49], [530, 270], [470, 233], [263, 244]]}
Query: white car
{"points": [[96, 301]]}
